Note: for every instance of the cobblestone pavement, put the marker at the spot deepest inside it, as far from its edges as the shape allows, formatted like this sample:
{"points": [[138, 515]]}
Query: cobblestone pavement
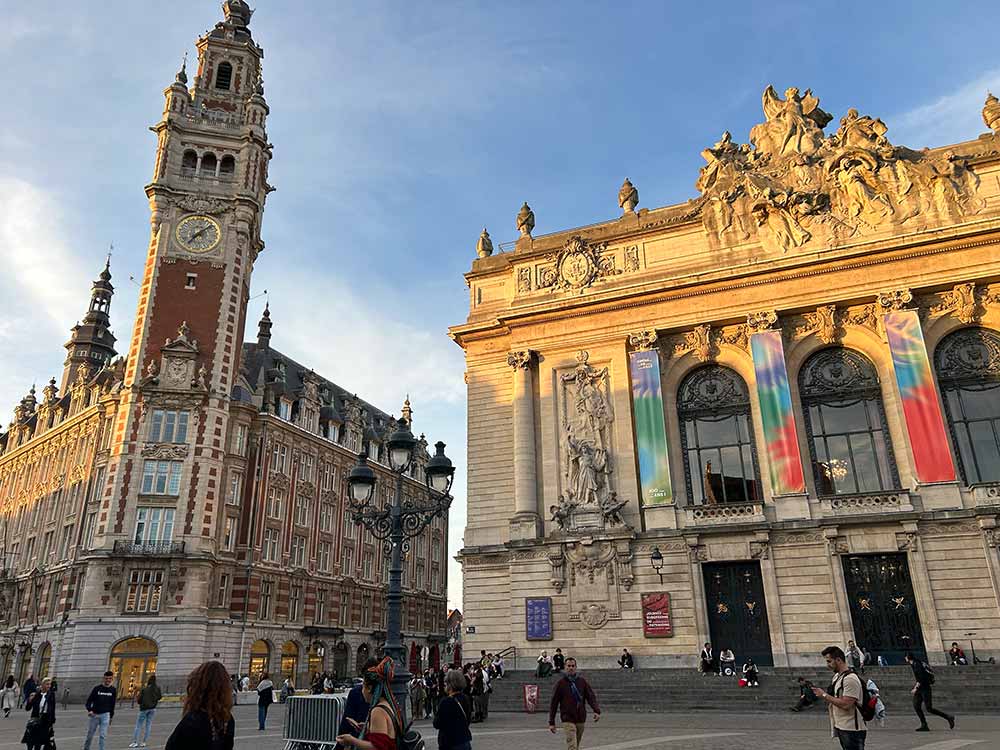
{"points": [[698, 731]]}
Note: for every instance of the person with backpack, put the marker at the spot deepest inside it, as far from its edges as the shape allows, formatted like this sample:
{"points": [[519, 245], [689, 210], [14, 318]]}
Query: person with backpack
{"points": [[570, 698], [924, 677], [149, 698], [845, 697]]}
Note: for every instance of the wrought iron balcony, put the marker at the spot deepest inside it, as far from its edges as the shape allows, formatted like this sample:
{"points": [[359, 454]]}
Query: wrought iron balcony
{"points": [[724, 513], [893, 501], [148, 548]]}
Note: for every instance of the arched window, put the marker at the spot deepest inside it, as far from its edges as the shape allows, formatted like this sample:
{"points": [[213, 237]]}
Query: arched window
{"points": [[289, 659], [189, 163], [44, 662], [720, 465], [362, 656], [208, 163], [224, 76], [968, 370], [845, 420], [133, 660], [260, 660], [227, 167]]}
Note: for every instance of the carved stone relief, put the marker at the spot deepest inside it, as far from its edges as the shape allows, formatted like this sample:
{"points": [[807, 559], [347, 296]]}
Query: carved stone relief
{"points": [[594, 572], [796, 185]]}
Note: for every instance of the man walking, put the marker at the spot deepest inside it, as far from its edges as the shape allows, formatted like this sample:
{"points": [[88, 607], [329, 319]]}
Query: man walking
{"points": [[571, 696], [149, 697], [922, 693], [101, 710], [844, 699]]}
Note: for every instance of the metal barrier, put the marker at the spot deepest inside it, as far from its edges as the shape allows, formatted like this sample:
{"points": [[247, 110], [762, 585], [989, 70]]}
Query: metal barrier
{"points": [[312, 721]]}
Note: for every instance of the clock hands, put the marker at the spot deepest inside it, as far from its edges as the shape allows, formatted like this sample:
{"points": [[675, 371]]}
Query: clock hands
{"points": [[198, 233]]}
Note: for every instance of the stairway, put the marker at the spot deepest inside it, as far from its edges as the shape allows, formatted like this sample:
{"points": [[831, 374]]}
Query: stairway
{"points": [[965, 690]]}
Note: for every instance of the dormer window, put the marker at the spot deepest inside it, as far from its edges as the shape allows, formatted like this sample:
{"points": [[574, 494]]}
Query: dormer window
{"points": [[224, 76]]}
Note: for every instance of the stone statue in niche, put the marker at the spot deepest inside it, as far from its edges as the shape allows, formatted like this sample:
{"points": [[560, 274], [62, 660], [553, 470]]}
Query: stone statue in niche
{"points": [[588, 500]]}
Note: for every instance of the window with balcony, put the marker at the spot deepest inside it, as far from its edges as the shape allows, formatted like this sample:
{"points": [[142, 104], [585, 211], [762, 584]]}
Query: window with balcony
{"points": [[154, 527], [713, 406], [144, 590], [271, 545], [161, 477], [845, 421], [968, 370]]}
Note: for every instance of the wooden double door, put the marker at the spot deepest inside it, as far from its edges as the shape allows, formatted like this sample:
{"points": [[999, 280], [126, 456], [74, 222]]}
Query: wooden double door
{"points": [[737, 611]]}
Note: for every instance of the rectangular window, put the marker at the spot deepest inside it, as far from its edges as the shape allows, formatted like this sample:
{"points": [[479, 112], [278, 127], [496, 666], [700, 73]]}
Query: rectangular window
{"points": [[345, 608], [144, 589], [326, 517], [89, 530], [328, 474], [366, 611], [265, 600], [298, 551], [271, 545], [279, 458], [154, 525], [67, 542], [420, 575], [323, 557], [284, 409], [168, 426], [302, 510], [345, 564], [46, 548], [229, 534], [368, 563], [275, 503], [55, 592], [78, 590], [161, 477], [306, 469], [320, 617], [436, 551], [294, 603], [235, 486], [349, 529], [222, 594], [434, 580], [239, 446]]}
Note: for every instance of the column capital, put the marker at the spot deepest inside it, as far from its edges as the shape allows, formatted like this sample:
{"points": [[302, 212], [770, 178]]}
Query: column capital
{"points": [[894, 299], [521, 359], [761, 320], [642, 340]]}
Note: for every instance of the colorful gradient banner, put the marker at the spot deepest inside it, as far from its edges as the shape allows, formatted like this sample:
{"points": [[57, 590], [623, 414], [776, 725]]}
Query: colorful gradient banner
{"points": [[775, 399], [650, 429], [921, 409]]}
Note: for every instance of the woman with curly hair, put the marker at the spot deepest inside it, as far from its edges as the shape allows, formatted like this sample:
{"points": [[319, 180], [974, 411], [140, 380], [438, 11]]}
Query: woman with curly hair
{"points": [[207, 723], [383, 726]]}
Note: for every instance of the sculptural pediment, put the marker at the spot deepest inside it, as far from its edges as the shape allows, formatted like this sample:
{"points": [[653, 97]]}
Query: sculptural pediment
{"points": [[796, 185]]}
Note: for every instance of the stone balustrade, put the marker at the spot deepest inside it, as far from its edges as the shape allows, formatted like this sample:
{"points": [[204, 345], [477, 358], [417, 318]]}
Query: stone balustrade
{"points": [[896, 501], [986, 494], [723, 514]]}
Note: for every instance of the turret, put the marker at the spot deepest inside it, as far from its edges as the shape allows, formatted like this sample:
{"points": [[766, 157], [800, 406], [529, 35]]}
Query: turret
{"points": [[91, 341], [264, 328]]}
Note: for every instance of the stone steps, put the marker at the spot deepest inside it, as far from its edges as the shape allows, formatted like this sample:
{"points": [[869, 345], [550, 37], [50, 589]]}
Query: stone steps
{"points": [[966, 689]]}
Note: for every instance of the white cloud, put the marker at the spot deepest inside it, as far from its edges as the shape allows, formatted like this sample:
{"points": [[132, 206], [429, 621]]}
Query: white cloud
{"points": [[951, 118]]}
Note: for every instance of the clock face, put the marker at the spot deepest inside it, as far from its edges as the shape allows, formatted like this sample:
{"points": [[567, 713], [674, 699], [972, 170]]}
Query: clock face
{"points": [[198, 234]]}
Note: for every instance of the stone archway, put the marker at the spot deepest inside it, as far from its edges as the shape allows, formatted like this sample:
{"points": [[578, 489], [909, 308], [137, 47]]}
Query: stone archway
{"points": [[44, 662], [260, 660], [289, 661], [132, 660], [316, 658]]}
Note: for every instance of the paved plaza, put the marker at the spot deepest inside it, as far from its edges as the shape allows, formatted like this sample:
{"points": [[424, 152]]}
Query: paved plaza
{"points": [[698, 731]]}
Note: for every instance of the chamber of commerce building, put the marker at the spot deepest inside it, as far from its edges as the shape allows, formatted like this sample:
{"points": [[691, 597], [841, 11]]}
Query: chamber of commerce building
{"points": [[187, 501], [768, 417]]}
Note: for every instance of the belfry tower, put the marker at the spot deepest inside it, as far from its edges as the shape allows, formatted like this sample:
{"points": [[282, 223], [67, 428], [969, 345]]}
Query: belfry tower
{"points": [[206, 200]]}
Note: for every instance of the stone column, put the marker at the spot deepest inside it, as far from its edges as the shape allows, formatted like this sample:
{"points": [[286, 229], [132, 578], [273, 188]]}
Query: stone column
{"points": [[835, 547], [991, 546], [526, 523], [698, 553], [909, 541]]}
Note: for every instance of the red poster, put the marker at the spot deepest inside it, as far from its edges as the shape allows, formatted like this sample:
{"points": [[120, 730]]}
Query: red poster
{"points": [[530, 698], [656, 622]]}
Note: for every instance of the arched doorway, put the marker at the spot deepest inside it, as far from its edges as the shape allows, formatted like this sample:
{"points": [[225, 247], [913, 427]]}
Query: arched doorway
{"points": [[363, 654], [24, 666], [260, 660], [44, 662], [435, 658], [289, 660], [340, 660], [316, 653], [133, 660]]}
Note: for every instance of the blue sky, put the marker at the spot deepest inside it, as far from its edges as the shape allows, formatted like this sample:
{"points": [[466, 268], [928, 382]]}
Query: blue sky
{"points": [[401, 129]]}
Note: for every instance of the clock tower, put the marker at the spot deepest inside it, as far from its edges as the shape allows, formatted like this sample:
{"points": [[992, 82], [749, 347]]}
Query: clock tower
{"points": [[206, 200]]}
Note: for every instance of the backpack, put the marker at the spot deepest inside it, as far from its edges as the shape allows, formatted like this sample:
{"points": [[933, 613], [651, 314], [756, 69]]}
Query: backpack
{"points": [[867, 705]]}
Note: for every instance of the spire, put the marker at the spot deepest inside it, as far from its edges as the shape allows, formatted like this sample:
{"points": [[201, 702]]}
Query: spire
{"points": [[264, 328], [91, 341], [407, 411], [182, 76]]}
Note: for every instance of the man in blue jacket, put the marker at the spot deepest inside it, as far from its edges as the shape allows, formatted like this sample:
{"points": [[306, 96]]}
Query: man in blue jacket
{"points": [[101, 710], [356, 707]]}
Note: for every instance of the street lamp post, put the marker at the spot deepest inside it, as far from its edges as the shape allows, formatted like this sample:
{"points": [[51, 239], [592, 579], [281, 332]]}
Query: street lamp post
{"points": [[395, 526]]}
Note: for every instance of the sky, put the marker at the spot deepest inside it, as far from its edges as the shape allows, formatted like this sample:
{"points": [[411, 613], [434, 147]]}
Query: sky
{"points": [[400, 130]]}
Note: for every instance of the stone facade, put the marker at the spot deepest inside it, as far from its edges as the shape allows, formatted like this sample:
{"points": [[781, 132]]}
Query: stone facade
{"points": [[785, 283], [188, 501]]}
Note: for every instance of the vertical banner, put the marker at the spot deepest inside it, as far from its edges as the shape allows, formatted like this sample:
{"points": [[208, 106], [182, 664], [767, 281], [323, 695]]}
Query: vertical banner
{"points": [[650, 429], [921, 409], [775, 400]]}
